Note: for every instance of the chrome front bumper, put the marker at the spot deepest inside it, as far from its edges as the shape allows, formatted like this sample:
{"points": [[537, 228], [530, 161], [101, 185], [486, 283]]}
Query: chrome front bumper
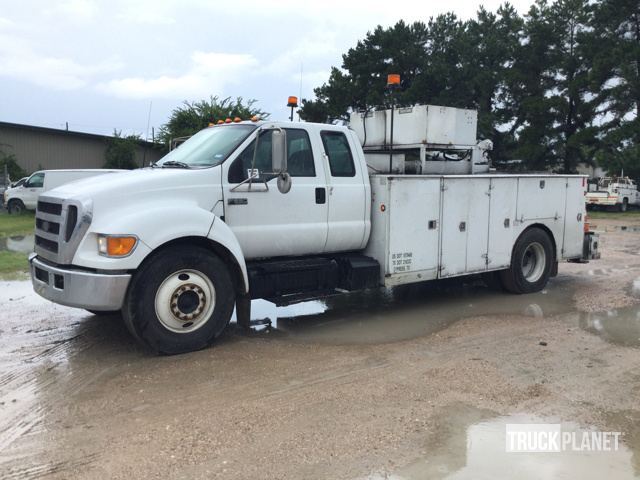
{"points": [[75, 288]]}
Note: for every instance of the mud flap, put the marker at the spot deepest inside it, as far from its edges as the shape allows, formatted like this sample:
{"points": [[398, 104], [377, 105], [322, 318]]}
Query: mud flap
{"points": [[243, 311]]}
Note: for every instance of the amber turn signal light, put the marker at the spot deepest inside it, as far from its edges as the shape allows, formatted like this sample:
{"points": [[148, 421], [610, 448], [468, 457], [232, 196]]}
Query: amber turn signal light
{"points": [[116, 246]]}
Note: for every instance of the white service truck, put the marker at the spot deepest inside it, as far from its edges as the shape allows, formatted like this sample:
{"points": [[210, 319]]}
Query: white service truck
{"points": [[293, 211], [614, 192]]}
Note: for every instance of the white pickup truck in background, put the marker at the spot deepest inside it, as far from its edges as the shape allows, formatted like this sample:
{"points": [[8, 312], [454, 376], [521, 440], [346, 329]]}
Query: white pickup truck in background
{"points": [[293, 211], [24, 196], [614, 192]]}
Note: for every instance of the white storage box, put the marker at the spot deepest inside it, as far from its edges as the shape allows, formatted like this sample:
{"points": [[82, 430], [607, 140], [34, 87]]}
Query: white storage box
{"points": [[421, 124]]}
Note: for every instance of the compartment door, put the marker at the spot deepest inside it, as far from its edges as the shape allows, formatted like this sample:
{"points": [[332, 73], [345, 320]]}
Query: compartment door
{"points": [[414, 225], [574, 219], [465, 225], [502, 214]]}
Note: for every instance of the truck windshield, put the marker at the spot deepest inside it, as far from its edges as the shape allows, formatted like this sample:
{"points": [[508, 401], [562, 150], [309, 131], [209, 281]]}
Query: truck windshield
{"points": [[208, 147]]}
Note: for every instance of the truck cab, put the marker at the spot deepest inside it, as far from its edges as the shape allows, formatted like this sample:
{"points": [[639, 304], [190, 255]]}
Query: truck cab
{"points": [[288, 212], [326, 208]]}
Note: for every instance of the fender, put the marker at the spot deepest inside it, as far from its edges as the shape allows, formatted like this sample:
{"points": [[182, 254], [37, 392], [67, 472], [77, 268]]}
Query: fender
{"points": [[177, 220], [221, 234]]}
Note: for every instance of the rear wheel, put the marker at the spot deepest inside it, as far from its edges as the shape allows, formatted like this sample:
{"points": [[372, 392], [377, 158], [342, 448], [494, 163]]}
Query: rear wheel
{"points": [[180, 301], [624, 205], [531, 263], [15, 207]]}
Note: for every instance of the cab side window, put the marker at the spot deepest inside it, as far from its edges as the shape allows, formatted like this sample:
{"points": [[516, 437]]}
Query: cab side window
{"points": [[336, 146], [299, 152], [241, 166], [35, 181]]}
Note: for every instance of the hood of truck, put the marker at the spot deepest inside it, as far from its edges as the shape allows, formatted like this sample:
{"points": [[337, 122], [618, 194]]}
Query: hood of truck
{"points": [[147, 185]]}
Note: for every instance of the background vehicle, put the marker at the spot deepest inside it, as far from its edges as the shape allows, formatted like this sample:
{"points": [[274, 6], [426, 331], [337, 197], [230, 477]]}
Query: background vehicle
{"points": [[5, 192], [25, 196], [289, 212], [614, 192], [19, 183]]}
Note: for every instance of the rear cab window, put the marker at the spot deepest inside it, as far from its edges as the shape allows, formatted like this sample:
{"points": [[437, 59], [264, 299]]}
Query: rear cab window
{"points": [[336, 146]]}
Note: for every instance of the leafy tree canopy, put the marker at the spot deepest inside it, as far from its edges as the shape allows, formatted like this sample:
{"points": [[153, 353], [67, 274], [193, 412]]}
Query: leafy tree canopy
{"points": [[121, 151], [191, 117], [553, 88]]}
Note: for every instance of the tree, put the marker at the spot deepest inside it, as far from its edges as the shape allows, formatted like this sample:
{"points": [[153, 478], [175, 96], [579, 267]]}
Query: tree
{"points": [[10, 162], [554, 88], [121, 151], [617, 69], [191, 117], [444, 62]]}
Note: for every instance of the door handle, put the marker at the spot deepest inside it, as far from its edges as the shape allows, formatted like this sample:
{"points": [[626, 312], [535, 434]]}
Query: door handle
{"points": [[237, 201], [321, 195]]}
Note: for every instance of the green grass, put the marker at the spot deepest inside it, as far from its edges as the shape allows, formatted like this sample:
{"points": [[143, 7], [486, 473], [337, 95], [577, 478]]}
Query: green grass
{"points": [[631, 215], [13, 265], [16, 224]]}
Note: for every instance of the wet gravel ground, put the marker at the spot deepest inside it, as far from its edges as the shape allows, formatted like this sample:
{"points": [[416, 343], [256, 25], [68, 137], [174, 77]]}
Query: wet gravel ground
{"points": [[412, 383]]}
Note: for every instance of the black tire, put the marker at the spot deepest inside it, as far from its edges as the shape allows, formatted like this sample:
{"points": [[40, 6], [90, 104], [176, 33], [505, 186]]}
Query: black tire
{"points": [[15, 207], [101, 313], [529, 272], [624, 206], [195, 264]]}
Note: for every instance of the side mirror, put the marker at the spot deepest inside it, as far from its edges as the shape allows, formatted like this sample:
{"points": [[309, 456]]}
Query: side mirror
{"points": [[278, 151]]}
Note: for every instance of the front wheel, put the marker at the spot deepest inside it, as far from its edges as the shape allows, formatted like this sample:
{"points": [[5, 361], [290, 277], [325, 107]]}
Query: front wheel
{"points": [[179, 301], [531, 263], [15, 207]]}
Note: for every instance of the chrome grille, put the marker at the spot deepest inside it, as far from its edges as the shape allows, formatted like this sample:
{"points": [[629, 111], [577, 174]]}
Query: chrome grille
{"points": [[48, 207], [60, 226]]}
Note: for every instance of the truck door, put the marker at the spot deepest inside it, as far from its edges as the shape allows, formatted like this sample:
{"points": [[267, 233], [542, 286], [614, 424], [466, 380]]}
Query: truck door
{"points": [[347, 194], [269, 223], [32, 188]]}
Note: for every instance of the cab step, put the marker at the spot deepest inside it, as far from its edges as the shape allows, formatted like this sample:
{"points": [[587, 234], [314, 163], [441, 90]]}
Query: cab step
{"points": [[308, 276]]}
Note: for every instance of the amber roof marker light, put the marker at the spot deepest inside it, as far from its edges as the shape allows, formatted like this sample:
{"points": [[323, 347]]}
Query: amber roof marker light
{"points": [[292, 102]]}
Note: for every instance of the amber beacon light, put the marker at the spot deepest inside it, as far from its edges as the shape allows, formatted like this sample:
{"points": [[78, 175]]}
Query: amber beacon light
{"points": [[393, 80], [292, 102]]}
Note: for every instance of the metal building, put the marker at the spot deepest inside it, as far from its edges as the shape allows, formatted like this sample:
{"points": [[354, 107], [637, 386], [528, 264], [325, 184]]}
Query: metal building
{"points": [[40, 148]]}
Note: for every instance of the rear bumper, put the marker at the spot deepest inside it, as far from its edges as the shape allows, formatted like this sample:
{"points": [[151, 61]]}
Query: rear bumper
{"points": [[75, 288], [590, 248], [606, 201]]}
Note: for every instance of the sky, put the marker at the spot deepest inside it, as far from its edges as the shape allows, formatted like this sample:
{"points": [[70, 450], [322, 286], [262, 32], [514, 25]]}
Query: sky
{"points": [[126, 64]]}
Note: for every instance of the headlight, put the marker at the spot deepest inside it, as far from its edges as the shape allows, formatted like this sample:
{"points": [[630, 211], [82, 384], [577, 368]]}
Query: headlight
{"points": [[116, 245]]}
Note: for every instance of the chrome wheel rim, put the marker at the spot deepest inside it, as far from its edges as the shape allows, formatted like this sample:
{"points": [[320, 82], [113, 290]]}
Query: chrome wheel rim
{"points": [[185, 301], [533, 262]]}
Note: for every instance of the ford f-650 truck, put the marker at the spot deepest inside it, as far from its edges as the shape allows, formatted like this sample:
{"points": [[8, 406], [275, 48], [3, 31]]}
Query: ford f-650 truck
{"points": [[292, 211]]}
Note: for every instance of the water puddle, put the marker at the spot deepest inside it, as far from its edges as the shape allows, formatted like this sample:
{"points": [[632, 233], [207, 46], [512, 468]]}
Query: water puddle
{"points": [[616, 228], [469, 443], [17, 243], [390, 315], [618, 326]]}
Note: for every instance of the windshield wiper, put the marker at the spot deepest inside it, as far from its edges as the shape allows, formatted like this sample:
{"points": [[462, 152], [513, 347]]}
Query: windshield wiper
{"points": [[174, 164]]}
